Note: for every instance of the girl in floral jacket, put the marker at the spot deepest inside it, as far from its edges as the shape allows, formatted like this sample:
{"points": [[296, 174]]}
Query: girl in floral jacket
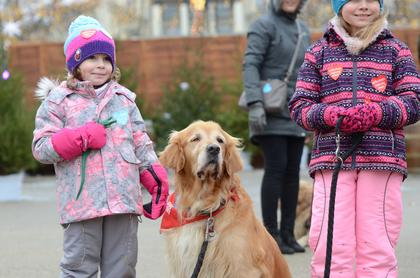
{"points": [[358, 71], [90, 128]]}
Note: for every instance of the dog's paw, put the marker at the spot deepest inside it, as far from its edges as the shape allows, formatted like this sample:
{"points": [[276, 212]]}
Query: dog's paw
{"points": [[303, 241]]}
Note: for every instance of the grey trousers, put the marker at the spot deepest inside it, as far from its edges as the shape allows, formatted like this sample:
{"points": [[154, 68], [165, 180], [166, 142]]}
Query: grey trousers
{"points": [[107, 243]]}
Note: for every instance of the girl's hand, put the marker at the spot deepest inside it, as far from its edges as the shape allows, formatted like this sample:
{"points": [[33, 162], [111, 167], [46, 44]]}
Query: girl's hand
{"points": [[70, 143], [332, 113], [96, 135], [155, 180], [361, 117]]}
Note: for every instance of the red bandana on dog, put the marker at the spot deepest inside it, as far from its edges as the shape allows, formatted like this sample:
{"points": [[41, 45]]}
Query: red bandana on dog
{"points": [[170, 218]]}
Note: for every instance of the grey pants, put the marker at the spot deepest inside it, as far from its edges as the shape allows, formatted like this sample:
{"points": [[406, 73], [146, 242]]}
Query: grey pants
{"points": [[107, 243]]}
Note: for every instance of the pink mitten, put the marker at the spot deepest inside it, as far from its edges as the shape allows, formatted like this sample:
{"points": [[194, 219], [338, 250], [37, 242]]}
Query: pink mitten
{"points": [[361, 117], [155, 180], [332, 113], [70, 143], [376, 111]]}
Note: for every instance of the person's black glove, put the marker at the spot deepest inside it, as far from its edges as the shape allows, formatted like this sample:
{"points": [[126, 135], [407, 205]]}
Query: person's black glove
{"points": [[256, 116]]}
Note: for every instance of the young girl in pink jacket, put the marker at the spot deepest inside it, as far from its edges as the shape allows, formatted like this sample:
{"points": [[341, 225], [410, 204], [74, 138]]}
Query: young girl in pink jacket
{"points": [[361, 72], [90, 128]]}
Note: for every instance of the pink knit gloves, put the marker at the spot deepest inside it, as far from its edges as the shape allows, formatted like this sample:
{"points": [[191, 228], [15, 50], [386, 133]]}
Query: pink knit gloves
{"points": [[155, 180], [357, 118], [70, 143], [361, 118], [332, 113]]}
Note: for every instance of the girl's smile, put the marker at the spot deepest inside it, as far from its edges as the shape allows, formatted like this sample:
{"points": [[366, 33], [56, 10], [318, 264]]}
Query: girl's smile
{"points": [[360, 13], [96, 69]]}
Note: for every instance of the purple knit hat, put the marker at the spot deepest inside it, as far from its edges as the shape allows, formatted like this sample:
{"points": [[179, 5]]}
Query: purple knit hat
{"points": [[87, 37]]}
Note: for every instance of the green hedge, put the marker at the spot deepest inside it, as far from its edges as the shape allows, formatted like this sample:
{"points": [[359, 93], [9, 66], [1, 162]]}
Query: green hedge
{"points": [[16, 126]]}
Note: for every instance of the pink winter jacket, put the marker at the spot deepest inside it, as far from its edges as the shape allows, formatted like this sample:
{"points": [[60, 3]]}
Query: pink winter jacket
{"points": [[112, 173]]}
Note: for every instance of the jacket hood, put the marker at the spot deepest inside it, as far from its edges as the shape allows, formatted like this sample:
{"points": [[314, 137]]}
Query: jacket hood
{"points": [[355, 45], [275, 6], [44, 87]]}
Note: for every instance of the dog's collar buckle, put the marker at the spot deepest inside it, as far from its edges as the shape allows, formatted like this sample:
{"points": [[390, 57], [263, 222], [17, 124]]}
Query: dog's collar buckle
{"points": [[210, 233]]}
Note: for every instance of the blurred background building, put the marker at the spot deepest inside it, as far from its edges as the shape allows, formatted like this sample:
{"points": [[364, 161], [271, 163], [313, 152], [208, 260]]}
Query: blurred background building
{"points": [[47, 20], [162, 44]]}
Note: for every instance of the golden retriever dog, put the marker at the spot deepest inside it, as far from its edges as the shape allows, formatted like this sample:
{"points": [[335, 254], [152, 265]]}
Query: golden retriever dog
{"points": [[205, 160], [303, 212]]}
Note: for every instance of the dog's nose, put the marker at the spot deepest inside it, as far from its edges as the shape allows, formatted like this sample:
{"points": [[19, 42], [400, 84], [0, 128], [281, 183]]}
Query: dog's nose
{"points": [[213, 149]]}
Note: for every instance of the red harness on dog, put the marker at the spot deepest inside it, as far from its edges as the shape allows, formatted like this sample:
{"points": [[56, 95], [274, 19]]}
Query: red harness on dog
{"points": [[171, 219]]}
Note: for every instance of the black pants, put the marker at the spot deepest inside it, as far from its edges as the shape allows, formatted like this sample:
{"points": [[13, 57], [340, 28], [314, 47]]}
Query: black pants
{"points": [[282, 156]]}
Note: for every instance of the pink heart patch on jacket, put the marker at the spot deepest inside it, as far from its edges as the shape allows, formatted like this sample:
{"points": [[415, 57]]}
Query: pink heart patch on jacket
{"points": [[335, 72], [379, 83]]}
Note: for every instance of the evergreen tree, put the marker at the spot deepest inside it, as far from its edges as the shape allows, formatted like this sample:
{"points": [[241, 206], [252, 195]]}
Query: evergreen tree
{"points": [[3, 60], [16, 123]]}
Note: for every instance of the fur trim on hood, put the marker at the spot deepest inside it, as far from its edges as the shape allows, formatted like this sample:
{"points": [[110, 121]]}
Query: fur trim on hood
{"points": [[44, 87], [355, 45]]}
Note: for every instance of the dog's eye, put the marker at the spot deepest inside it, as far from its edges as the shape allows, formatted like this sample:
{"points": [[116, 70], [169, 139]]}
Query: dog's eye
{"points": [[195, 139], [220, 140]]}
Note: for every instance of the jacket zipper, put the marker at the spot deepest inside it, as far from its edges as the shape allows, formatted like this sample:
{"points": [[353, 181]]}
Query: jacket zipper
{"points": [[317, 142], [393, 140]]}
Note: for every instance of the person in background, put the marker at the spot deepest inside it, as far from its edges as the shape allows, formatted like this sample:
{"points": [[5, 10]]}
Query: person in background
{"points": [[272, 39], [90, 128], [361, 73]]}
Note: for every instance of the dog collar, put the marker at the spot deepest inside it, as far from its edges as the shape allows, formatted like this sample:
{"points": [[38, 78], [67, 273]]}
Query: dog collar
{"points": [[171, 218]]}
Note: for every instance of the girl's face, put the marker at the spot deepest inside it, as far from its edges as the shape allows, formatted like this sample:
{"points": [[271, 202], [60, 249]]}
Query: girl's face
{"points": [[96, 69], [360, 13], [290, 6]]}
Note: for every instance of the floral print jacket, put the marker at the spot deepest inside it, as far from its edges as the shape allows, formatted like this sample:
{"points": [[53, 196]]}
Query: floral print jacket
{"points": [[112, 184]]}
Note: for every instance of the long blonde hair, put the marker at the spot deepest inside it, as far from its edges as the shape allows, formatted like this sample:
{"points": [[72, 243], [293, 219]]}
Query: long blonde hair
{"points": [[74, 77], [367, 32]]}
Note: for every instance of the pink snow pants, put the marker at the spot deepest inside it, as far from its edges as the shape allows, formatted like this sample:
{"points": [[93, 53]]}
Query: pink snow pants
{"points": [[367, 223]]}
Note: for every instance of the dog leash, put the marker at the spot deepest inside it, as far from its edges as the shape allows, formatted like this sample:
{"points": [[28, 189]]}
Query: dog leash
{"points": [[208, 236], [356, 139]]}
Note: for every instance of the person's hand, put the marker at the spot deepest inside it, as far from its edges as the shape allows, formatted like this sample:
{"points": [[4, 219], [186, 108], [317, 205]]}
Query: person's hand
{"points": [[332, 113], [256, 116], [361, 118], [155, 180], [96, 135], [69, 143]]}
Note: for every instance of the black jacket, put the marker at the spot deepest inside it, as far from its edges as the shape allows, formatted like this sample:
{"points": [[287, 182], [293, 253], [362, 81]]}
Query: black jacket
{"points": [[272, 39]]}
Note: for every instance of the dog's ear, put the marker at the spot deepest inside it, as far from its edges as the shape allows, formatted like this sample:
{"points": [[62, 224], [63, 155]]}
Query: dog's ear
{"points": [[233, 161], [173, 155]]}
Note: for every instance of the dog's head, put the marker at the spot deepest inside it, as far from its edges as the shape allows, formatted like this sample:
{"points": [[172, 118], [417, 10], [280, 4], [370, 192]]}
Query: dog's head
{"points": [[205, 159], [203, 150]]}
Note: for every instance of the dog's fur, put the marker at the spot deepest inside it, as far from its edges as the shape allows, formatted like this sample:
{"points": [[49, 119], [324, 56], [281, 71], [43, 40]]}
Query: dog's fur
{"points": [[204, 180], [303, 213]]}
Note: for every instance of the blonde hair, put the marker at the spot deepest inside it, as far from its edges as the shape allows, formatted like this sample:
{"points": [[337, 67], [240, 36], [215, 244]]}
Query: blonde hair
{"points": [[74, 77], [367, 32]]}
